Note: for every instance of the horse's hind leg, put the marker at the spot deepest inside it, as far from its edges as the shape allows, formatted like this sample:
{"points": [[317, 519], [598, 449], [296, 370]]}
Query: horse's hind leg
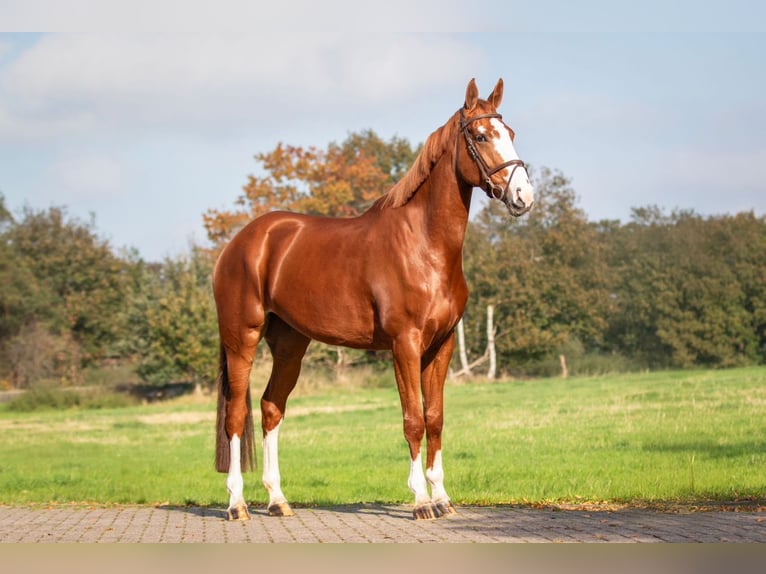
{"points": [[235, 434], [287, 348]]}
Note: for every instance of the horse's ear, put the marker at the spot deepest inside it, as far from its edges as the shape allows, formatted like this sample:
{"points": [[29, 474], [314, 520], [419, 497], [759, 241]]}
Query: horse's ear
{"points": [[471, 95], [497, 94]]}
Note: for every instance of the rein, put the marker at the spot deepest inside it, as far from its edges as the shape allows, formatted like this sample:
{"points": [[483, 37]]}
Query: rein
{"points": [[492, 190]]}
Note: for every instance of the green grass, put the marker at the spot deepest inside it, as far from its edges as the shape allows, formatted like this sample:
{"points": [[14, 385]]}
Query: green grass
{"points": [[652, 438]]}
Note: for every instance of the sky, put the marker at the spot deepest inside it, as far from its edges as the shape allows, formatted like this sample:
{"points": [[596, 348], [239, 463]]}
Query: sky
{"points": [[148, 113]]}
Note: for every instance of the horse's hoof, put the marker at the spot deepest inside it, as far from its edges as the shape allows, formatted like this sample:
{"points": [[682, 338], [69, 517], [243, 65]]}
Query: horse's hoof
{"points": [[238, 513], [445, 508], [425, 512], [281, 509]]}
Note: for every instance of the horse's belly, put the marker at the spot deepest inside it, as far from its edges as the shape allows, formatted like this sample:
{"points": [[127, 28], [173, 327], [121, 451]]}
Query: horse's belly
{"points": [[331, 322]]}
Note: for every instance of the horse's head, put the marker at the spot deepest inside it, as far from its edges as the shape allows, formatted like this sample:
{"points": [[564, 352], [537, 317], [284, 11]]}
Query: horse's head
{"points": [[487, 158]]}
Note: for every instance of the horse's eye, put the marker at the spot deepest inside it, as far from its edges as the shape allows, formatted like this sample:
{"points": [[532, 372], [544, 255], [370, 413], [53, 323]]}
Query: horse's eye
{"points": [[481, 138]]}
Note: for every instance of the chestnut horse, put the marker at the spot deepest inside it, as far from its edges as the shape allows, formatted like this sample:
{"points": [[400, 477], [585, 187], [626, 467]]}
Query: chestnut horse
{"points": [[391, 278]]}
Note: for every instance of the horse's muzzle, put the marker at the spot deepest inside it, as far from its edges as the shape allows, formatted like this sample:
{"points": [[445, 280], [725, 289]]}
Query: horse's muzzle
{"points": [[517, 207]]}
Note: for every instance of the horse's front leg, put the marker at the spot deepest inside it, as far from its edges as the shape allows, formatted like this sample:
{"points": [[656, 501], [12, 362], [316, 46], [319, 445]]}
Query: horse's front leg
{"points": [[407, 371], [433, 378]]}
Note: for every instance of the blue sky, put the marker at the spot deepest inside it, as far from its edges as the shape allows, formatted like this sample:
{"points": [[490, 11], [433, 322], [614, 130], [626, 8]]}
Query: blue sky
{"points": [[148, 122]]}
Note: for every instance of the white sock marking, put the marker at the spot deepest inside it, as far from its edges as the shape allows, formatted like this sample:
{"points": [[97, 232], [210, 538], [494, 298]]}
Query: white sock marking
{"points": [[271, 477], [234, 481], [435, 476], [417, 481]]}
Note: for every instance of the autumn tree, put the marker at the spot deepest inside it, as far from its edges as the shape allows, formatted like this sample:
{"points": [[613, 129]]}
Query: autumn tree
{"points": [[341, 180]]}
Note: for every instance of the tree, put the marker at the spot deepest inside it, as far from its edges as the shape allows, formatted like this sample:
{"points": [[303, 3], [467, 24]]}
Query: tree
{"points": [[741, 241], [342, 180], [173, 322], [545, 275], [79, 284], [62, 299], [691, 289], [22, 299], [5, 215]]}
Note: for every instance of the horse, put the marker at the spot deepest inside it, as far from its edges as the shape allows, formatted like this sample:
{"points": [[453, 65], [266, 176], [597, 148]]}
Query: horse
{"points": [[388, 279]]}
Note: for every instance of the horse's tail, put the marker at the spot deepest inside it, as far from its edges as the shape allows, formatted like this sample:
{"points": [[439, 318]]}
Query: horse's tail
{"points": [[222, 449]]}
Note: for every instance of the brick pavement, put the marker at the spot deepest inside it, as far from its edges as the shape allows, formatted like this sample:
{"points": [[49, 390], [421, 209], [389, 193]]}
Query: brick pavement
{"points": [[375, 524]]}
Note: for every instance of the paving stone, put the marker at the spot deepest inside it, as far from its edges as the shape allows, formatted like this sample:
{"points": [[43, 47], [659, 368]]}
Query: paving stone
{"points": [[374, 524]]}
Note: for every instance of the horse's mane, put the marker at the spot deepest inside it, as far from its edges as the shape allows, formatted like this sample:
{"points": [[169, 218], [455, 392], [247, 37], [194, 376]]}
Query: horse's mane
{"points": [[436, 145]]}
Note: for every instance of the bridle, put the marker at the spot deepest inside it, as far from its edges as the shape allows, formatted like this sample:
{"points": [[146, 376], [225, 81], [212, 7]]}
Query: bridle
{"points": [[491, 189]]}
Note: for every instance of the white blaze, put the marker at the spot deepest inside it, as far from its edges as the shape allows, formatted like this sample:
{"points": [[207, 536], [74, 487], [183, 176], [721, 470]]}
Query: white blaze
{"points": [[520, 187]]}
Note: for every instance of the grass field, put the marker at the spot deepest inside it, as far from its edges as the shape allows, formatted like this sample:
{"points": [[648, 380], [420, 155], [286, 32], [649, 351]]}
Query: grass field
{"points": [[662, 437]]}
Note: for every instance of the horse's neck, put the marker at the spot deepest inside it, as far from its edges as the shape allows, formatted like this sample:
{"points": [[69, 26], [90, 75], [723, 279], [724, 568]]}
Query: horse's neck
{"points": [[444, 204]]}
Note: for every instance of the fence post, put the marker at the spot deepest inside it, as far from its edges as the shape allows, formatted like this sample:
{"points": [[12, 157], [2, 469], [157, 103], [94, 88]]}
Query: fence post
{"points": [[492, 371]]}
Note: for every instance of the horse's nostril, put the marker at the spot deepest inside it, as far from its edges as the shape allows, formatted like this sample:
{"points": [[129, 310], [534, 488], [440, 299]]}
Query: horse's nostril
{"points": [[518, 203]]}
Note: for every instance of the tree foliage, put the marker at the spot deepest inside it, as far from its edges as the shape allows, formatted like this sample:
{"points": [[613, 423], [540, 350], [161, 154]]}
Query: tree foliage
{"points": [[63, 288], [173, 321], [545, 274], [78, 270], [691, 290], [663, 290], [342, 180]]}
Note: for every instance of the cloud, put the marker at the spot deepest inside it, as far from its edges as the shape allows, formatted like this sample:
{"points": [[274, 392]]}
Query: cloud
{"points": [[86, 176], [84, 82], [294, 17]]}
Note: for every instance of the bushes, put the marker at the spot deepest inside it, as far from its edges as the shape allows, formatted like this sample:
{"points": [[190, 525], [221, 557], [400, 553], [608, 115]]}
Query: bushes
{"points": [[35, 354]]}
